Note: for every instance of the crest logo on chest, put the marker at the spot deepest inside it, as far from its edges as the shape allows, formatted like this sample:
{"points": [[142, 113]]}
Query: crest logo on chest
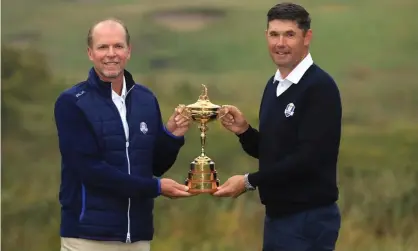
{"points": [[143, 127], [290, 110]]}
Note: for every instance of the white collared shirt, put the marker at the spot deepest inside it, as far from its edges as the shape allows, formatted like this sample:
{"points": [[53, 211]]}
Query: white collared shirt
{"points": [[121, 105], [294, 76]]}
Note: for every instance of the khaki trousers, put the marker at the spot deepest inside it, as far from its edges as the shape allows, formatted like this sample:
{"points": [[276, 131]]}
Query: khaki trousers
{"points": [[74, 244]]}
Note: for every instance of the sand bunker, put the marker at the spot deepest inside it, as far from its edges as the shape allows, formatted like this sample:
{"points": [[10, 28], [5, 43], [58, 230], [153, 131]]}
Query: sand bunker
{"points": [[187, 19]]}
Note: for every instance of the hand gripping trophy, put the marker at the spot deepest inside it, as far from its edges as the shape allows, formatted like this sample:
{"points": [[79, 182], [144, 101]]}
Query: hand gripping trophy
{"points": [[202, 176]]}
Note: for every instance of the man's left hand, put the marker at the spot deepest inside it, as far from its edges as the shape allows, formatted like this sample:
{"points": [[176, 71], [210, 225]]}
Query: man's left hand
{"points": [[233, 187], [178, 123]]}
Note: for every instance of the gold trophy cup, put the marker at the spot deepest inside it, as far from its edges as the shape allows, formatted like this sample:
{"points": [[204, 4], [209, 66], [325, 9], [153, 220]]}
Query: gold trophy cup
{"points": [[202, 176]]}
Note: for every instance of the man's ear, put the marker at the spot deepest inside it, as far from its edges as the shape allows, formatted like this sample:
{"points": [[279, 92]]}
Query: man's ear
{"points": [[308, 37], [90, 53], [129, 51]]}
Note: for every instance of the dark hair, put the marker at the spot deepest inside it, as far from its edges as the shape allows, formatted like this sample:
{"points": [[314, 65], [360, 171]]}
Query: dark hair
{"points": [[90, 33], [292, 12]]}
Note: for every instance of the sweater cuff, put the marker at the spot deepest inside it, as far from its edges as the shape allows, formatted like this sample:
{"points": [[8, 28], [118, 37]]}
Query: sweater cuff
{"points": [[254, 179], [158, 186], [249, 133]]}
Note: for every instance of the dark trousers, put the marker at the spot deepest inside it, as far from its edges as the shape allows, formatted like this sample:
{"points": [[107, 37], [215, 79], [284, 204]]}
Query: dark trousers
{"points": [[312, 230]]}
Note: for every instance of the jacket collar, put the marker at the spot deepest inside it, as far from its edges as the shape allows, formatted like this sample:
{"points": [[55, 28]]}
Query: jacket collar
{"points": [[105, 88]]}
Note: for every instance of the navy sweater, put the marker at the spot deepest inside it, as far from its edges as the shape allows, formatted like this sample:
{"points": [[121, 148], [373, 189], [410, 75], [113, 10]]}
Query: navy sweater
{"points": [[297, 144]]}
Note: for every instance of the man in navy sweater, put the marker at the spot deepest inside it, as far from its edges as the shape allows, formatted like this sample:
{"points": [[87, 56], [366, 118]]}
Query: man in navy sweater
{"points": [[114, 147], [297, 143]]}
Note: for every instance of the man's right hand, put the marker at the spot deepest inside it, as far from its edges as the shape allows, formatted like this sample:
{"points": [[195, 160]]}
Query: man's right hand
{"points": [[172, 189], [233, 119]]}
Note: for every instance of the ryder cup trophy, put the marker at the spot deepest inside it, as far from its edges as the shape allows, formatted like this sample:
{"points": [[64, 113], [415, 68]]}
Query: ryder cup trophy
{"points": [[202, 176]]}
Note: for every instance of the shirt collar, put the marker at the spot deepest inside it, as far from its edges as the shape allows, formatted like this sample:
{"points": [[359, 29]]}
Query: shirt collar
{"points": [[297, 72], [123, 93]]}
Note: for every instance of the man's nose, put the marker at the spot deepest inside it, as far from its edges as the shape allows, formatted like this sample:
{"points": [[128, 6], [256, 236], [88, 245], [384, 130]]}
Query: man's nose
{"points": [[111, 51], [280, 41]]}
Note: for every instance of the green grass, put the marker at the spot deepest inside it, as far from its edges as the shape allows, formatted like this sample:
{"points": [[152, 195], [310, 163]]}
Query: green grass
{"points": [[370, 47]]}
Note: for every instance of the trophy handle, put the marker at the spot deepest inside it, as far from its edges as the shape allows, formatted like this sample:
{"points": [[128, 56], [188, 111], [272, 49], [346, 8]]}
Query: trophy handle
{"points": [[222, 112], [186, 112]]}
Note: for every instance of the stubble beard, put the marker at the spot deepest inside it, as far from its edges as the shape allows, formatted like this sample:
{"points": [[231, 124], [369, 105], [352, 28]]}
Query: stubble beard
{"points": [[111, 75]]}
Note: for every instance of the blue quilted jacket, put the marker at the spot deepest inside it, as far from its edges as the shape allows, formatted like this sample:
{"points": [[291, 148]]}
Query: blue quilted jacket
{"points": [[108, 183]]}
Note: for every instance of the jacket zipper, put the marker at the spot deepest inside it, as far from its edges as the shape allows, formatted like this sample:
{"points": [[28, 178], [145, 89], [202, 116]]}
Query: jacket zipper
{"points": [[128, 234]]}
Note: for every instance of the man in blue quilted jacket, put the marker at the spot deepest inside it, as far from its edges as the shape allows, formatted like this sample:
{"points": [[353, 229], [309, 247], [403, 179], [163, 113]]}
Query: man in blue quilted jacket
{"points": [[114, 148]]}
